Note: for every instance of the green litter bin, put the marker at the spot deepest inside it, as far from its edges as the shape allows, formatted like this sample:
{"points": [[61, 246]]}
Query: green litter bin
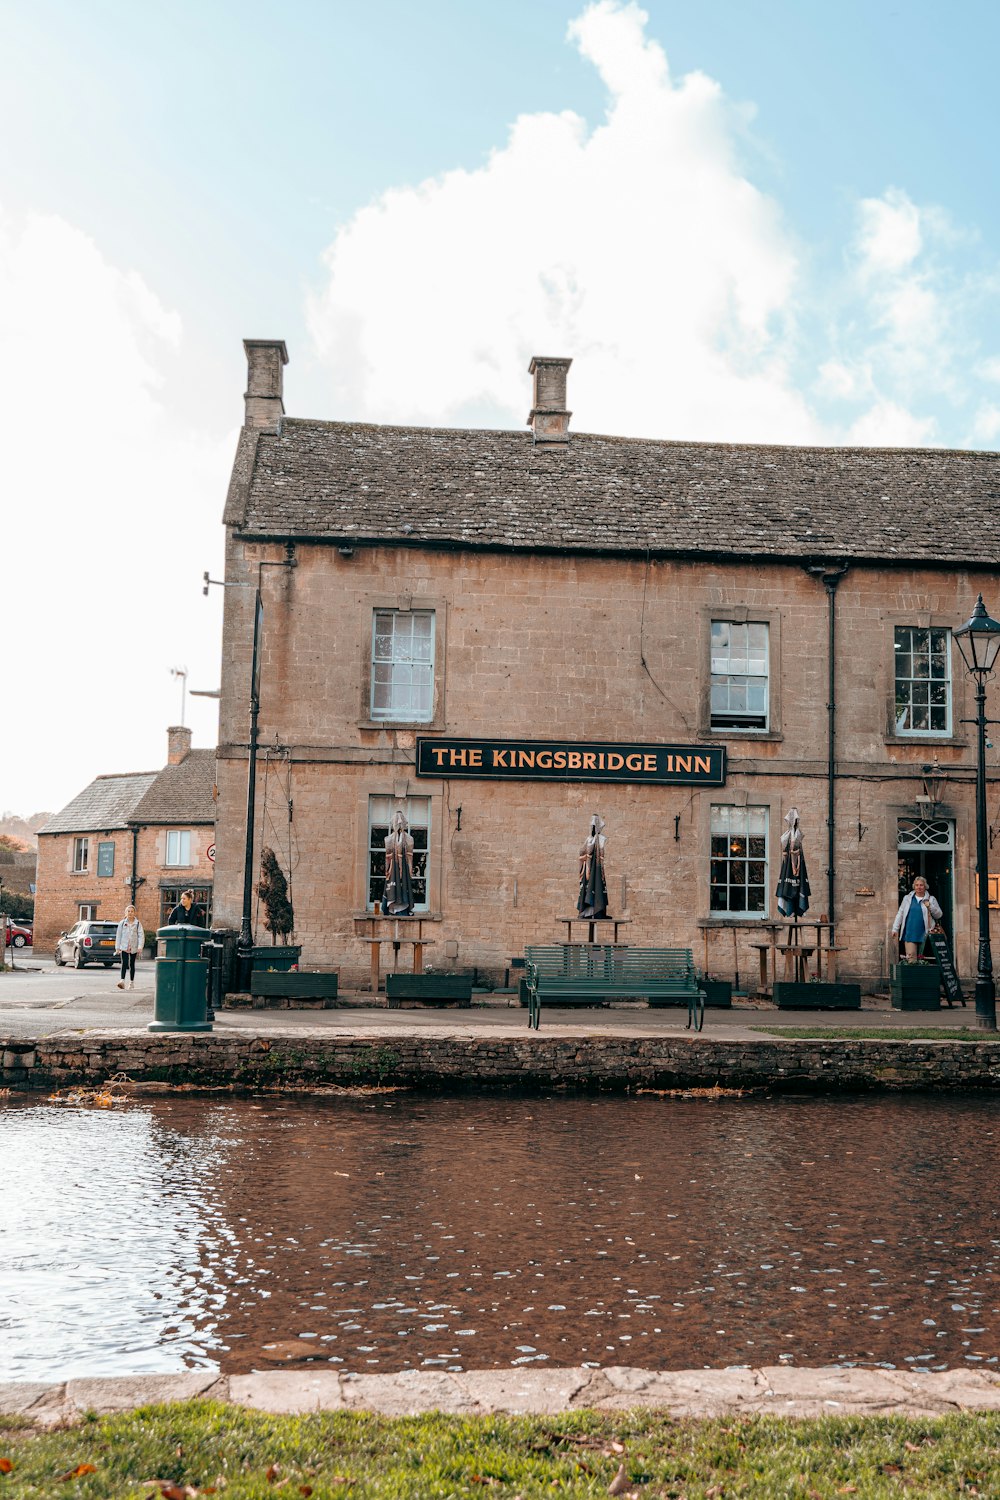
{"points": [[181, 977]]}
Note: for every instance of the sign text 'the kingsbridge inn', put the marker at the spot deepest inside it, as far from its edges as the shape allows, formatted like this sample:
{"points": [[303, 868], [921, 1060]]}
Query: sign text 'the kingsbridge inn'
{"points": [[572, 760]]}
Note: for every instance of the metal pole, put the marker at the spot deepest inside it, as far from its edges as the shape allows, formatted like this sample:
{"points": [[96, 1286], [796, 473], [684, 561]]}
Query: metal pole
{"points": [[986, 1005]]}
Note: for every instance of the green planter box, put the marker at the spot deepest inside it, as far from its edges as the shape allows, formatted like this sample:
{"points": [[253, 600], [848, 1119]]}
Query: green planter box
{"points": [[278, 957], [718, 993], [789, 995], [915, 986], [287, 986], [431, 989]]}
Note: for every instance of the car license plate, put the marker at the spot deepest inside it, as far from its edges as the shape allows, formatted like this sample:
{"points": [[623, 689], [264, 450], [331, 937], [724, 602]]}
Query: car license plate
{"points": [[104, 943]]}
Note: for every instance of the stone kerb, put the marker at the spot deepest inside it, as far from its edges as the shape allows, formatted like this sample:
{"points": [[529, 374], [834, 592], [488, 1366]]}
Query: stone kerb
{"points": [[604, 1062], [781, 1391]]}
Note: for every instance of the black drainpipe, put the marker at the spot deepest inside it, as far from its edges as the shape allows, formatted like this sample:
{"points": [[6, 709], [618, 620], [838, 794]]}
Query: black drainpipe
{"points": [[830, 577], [135, 851]]}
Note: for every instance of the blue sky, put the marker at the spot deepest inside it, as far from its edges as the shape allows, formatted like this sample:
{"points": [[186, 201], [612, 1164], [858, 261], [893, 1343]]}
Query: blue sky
{"points": [[778, 220]]}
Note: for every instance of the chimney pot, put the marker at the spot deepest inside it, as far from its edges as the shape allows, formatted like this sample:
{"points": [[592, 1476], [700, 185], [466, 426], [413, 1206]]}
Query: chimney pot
{"points": [[548, 418], [178, 744], [263, 398]]}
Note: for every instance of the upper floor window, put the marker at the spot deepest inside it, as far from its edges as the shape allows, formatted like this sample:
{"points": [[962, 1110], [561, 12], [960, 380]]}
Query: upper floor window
{"points": [[923, 680], [178, 847], [403, 665], [738, 879], [81, 856], [739, 675]]}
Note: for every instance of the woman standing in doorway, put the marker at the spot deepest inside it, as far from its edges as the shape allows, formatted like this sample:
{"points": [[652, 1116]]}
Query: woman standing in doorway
{"points": [[918, 912], [128, 942]]}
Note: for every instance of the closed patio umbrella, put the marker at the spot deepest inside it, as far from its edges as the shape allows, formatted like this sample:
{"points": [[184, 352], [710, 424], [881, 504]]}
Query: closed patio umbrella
{"points": [[793, 881]]}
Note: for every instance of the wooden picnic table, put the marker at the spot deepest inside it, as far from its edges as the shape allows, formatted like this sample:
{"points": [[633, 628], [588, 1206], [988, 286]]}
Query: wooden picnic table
{"points": [[593, 924], [377, 930]]}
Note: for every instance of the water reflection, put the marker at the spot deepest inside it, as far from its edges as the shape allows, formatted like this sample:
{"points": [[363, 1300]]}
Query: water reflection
{"points": [[398, 1231]]}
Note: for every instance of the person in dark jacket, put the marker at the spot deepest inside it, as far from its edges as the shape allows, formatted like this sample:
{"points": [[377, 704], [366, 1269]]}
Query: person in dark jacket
{"points": [[186, 913]]}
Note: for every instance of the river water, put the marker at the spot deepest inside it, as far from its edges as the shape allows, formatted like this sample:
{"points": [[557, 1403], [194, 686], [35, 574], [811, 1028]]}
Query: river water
{"points": [[397, 1231]]}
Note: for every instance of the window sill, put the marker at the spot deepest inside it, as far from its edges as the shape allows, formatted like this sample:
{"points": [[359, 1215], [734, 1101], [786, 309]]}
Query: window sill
{"points": [[410, 724], [926, 739], [738, 736], [79, 872]]}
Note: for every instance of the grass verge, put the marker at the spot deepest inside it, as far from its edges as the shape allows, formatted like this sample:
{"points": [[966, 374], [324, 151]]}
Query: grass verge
{"points": [[881, 1033], [198, 1448]]}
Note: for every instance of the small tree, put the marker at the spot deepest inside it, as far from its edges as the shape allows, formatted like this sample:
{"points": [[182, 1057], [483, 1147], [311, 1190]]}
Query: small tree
{"points": [[279, 918]]}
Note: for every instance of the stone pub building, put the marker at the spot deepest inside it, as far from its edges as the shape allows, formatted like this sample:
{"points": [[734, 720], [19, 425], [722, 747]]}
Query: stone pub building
{"points": [[501, 633]]}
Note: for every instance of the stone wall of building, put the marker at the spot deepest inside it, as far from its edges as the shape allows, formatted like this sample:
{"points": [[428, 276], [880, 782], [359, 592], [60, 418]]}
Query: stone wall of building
{"points": [[551, 647], [540, 1061]]}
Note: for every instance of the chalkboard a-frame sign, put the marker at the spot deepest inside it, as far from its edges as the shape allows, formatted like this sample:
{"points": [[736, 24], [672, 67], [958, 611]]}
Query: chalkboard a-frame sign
{"points": [[942, 952]]}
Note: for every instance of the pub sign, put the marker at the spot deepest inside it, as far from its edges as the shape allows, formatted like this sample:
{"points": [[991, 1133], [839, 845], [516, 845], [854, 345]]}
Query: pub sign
{"points": [[571, 760]]}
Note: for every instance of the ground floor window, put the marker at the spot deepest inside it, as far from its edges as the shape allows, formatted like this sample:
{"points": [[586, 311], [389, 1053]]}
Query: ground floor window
{"points": [[88, 911], [417, 811], [171, 894], [738, 880]]}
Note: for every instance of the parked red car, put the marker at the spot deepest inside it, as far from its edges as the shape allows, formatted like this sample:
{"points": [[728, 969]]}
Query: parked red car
{"points": [[18, 935]]}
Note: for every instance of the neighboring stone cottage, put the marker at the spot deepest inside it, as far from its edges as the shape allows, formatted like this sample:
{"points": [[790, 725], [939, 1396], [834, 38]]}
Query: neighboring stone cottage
{"points": [[141, 836], [501, 633]]}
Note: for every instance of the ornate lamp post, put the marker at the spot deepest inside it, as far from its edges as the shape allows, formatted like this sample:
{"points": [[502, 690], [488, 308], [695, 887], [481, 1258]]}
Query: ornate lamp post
{"points": [[979, 642]]}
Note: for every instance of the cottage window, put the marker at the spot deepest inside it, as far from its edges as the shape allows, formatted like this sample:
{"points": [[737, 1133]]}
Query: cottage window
{"points": [[738, 880], [88, 911], [418, 816], [740, 675], [403, 665], [170, 896], [81, 856], [178, 848], [923, 680]]}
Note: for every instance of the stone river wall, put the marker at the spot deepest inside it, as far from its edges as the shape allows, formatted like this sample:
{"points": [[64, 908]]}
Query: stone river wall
{"points": [[598, 1063]]}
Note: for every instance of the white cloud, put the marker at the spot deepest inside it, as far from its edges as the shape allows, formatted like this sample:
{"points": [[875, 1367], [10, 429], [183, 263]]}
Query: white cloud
{"points": [[889, 237], [638, 247], [113, 510]]}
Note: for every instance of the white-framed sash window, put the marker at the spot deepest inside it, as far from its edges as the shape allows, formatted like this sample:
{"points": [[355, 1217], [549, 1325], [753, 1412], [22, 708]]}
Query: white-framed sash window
{"points": [[402, 668]]}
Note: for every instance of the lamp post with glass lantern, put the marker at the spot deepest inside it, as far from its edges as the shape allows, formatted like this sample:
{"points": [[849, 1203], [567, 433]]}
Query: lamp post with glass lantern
{"points": [[979, 642]]}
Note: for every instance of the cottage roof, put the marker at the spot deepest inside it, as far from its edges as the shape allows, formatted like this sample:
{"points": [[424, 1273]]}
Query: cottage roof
{"points": [[180, 793], [352, 482], [108, 802]]}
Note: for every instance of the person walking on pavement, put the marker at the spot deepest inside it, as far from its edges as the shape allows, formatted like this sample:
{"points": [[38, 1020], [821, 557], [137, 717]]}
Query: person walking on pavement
{"points": [[918, 912], [186, 913], [129, 939]]}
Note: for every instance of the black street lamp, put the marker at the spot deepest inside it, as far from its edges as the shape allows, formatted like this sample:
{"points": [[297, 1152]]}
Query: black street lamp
{"points": [[979, 642]]}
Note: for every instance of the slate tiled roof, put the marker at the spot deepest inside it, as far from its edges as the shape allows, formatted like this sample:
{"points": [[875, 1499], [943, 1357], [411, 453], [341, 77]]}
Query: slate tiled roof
{"points": [[496, 489], [181, 793], [108, 802]]}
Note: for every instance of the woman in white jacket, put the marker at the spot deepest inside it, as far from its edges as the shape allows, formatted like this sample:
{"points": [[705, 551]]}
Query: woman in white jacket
{"points": [[918, 911], [128, 942]]}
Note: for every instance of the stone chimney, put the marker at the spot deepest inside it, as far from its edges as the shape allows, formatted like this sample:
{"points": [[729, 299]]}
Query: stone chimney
{"points": [[178, 744], [548, 418], [266, 359]]}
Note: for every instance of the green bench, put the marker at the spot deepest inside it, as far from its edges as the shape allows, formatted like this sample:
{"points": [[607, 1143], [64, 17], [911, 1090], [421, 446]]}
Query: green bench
{"points": [[588, 973]]}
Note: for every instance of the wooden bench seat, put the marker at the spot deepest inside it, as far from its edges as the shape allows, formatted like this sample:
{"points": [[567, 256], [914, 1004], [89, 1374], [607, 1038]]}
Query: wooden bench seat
{"points": [[590, 973]]}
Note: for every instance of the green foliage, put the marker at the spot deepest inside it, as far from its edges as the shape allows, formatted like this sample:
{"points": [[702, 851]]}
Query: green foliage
{"points": [[576, 1454], [14, 904], [279, 918], [881, 1033]]}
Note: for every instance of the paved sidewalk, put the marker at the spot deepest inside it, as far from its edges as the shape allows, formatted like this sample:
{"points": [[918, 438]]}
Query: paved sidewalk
{"points": [[780, 1391]]}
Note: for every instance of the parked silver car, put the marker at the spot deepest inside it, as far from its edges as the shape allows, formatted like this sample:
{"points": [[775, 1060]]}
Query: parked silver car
{"points": [[87, 943]]}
